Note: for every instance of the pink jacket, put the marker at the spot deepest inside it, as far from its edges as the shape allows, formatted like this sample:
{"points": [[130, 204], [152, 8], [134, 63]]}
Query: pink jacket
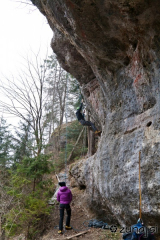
{"points": [[64, 195]]}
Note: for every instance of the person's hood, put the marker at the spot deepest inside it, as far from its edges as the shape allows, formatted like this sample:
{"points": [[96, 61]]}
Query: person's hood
{"points": [[63, 189]]}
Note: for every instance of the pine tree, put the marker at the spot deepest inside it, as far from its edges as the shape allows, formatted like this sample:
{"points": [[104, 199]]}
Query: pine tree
{"points": [[6, 145], [30, 189], [23, 142], [6, 160]]}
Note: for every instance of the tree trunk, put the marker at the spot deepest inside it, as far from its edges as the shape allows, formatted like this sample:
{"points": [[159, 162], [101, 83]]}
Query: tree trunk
{"points": [[2, 231], [91, 141], [34, 185]]}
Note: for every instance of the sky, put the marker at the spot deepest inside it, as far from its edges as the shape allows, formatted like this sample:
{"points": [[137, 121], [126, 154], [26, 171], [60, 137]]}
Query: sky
{"points": [[23, 29]]}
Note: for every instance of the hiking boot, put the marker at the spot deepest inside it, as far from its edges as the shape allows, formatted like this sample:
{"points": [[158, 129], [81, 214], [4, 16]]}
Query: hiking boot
{"points": [[68, 228], [60, 232]]}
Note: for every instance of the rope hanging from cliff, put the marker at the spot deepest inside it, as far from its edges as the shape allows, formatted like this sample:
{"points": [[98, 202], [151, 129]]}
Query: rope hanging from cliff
{"points": [[140, 199], [66, 127]]}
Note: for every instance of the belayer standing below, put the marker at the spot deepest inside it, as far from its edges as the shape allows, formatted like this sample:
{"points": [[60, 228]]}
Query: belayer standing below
{"points": [[82, 120], [64, 196]]}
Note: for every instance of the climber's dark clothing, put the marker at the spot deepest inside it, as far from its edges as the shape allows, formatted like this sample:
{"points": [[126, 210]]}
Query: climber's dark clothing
{"points": [[88, 123], [79, 115], [82, 120]]}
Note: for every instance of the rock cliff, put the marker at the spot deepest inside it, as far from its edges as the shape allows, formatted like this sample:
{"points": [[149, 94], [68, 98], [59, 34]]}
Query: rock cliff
{"points": [[112, 47]]}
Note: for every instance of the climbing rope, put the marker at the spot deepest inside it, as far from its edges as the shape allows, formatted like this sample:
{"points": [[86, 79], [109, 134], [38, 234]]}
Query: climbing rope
{"points": [[66, 112], [66, 127], [140, 199]]}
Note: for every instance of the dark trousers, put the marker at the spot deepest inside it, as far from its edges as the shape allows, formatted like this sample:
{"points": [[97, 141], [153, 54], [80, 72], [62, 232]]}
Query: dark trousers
{"points": [[68, 210], [88, 123]]}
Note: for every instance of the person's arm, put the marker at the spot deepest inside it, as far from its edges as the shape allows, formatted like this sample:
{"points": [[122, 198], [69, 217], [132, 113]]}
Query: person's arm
{"points": [[58, 197], [80, 108], [83, 115], [70, 196]]}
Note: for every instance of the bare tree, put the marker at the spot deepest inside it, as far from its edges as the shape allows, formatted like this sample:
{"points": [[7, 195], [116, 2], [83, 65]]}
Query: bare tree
{"points": [[59, 83], [25, 98]]}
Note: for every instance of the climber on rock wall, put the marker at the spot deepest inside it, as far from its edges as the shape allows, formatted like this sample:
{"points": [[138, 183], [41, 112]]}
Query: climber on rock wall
{"points": [[81, 119]]}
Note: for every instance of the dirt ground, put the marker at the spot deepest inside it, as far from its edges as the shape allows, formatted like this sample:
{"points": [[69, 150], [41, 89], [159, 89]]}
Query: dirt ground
{"points": [[79, 222]]}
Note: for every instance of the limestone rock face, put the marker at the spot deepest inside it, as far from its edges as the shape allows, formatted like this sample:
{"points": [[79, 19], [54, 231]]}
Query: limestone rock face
{"points": [[113, 48]]}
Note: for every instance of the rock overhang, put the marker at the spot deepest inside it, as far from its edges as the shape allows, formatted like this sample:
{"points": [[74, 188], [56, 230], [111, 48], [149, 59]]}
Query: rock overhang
{"points": [[112, 48]]}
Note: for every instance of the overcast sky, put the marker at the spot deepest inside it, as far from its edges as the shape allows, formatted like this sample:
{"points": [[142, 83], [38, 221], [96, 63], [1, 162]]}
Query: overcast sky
{"points": [[22, 29]]}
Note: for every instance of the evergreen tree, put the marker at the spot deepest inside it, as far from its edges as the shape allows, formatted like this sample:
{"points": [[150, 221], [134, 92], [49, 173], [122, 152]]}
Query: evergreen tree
{"points": [[23, 142], [30, 189], [6, 145], [6, 160]]}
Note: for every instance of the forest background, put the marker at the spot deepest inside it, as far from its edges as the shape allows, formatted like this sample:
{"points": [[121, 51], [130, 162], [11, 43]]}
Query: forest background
{"points": [[43, 97]]}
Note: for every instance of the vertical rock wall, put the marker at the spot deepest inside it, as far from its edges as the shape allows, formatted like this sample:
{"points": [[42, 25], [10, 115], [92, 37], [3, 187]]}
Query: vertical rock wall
{"points": [[113, 49]]}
